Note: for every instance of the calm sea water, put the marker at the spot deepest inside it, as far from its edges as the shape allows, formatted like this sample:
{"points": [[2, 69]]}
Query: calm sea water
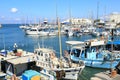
{"points": [[11, 33]]}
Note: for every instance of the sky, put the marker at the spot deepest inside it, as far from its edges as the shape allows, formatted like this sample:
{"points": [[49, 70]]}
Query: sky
{"points": [[20, 11]]}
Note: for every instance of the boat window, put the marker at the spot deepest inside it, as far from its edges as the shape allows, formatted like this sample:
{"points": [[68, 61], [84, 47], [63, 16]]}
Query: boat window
{"points": [[108, 47], [85, 54], [87, 50], [38, 53], [77, 52], [115, 46], [93, 49], [41, 53], [33, 30], [40, 30], [46, 55], [107, 57], [99, 55], [35, 52], [45, 30]]}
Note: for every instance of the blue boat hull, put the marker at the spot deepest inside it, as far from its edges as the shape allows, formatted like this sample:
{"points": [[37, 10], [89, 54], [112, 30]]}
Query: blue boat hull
{"points": [[97, 63]]}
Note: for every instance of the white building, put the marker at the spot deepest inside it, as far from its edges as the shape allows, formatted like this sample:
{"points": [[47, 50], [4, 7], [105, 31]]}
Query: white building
{"points": [[79, 21], [114, 17]]}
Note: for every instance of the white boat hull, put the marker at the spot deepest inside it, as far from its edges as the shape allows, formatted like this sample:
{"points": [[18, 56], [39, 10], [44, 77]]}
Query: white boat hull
{"points": [[73, 74], [42, 33], [31, 33]]}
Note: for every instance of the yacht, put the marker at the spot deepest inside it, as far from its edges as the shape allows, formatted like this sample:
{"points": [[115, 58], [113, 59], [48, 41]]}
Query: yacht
{"points": [[32, 31], [43, 32]]}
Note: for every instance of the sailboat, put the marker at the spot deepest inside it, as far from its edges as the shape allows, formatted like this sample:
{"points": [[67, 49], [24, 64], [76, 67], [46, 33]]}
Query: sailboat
{"points": [[63, 67], [3, 52], [0, 25]]}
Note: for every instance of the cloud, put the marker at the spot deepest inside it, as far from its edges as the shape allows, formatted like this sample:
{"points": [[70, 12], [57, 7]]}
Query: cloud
{"points": [[115, 12], [14, 10]]}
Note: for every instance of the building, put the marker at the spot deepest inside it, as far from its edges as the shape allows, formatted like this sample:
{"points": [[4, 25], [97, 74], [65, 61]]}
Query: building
{"points": [[114, 17], [79, 21]]}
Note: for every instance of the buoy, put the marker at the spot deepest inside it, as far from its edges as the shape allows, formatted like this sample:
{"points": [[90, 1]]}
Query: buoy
{"points": [[113, 73]]}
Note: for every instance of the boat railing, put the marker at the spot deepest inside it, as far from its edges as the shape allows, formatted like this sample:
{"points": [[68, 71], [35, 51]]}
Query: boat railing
{"points": [[45, 64]]}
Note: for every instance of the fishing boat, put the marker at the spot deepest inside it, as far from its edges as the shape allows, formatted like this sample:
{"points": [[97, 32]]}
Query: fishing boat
{"points": [[93, 53], [63, 66], [47, 59]]}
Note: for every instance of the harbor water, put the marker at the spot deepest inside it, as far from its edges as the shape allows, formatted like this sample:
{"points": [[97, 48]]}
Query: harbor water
{"points": [[11, 33]]}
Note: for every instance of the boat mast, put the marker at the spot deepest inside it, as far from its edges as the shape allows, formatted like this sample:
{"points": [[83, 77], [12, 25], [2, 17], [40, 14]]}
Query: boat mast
{"points": [[59, 33], [112, 47], [60, 45], [56, 14], [97, 10], [70, 15], [105, 14], [3, 41]]}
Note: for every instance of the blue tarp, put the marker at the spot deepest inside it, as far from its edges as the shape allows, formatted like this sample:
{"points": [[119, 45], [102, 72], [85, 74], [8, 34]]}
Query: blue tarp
{"points": [[114, 42]]}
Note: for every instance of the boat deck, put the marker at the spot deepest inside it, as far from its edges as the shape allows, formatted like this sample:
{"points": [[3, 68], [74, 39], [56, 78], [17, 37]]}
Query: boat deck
{"points": [[9, 56], [2, 74], [106, 76], [21, 60]]}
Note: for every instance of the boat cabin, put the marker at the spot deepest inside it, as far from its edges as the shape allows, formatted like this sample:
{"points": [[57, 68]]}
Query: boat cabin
{"points": [[90, 50], [116, 45], [44, 54]]}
